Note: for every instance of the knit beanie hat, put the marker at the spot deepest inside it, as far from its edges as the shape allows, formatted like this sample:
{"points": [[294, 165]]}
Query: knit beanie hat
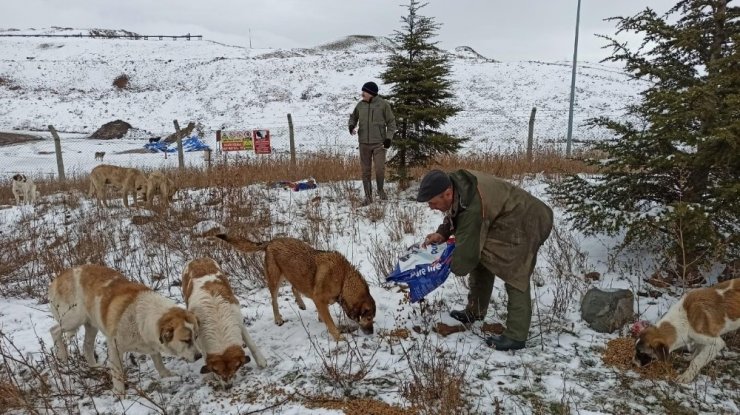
{"points": [[371, 88]]}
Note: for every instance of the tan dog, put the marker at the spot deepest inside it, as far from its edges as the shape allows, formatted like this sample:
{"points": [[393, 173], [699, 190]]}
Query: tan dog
{"points": [[132, 317], [128, 180], [697, 320], [158, 183], [222, 333], [324, 277], [24, 187]]}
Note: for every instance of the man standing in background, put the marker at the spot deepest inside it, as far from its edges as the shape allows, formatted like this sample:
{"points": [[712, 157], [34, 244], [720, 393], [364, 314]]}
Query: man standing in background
{"points": [[375, 127]]}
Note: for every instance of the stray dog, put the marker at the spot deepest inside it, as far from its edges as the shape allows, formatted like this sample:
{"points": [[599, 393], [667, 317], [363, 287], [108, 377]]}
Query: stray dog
{"points": [[159, 183], [697, 320], [132, 317], [24, 187], [128, 180], [223, 336], [325, 277], [99, 155]]}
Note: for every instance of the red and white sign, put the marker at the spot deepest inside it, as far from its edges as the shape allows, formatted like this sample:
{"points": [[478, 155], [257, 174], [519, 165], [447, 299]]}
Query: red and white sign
{"points": [[261, 141]]}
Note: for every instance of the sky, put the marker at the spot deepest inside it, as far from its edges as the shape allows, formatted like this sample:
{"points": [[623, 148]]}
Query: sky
{"points": [[502, 30]]}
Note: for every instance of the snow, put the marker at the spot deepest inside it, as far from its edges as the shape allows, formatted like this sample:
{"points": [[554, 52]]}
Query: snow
{"points": [[68, 84]]}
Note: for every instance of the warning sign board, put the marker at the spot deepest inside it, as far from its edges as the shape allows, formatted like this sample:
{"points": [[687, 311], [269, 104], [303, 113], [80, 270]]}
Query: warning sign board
{"points": [[236, 141], [261, 141]]}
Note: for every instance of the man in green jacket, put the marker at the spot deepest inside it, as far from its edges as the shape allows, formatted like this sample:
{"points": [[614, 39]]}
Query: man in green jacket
{"points": [[376, 125], [498, 230]]}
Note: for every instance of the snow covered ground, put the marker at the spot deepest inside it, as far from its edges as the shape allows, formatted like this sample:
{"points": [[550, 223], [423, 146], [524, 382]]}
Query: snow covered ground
{"points": [[67, 83], [560, 370]]}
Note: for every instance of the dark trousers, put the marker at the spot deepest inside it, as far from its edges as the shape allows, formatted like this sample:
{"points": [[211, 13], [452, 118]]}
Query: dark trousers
{"points": [[372, 154], [518, 307]]}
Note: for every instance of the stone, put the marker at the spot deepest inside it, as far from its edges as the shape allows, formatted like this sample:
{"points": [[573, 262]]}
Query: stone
{"points": [[607, 310]]}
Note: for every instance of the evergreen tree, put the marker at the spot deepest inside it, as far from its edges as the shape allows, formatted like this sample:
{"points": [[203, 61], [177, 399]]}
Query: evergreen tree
{"points": [[671, 181], [421, 94]]}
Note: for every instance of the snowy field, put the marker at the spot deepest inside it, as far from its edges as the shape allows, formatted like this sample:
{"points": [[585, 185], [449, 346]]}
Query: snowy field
{"points": [[67, 83], [560, 370]]}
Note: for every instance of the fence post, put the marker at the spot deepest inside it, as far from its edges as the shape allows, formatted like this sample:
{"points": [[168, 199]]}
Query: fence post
{"points": [[58, 150], [530, 137], [180, 154], [292, 140], [207, 156]]}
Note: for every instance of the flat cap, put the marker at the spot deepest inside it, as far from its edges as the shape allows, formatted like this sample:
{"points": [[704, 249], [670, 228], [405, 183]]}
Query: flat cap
{"points": [[432, 184]]}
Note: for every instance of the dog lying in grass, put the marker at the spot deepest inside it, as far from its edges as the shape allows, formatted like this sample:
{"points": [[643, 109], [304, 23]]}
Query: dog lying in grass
{"points": [[326, 277]]}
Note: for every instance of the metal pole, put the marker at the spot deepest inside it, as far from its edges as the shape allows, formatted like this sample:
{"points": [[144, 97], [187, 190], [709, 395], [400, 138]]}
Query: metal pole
{"points": [[573, 85]]}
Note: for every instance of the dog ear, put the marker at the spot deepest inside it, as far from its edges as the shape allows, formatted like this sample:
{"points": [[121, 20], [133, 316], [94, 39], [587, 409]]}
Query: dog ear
{"points": [[166, 335], [205, 369]]}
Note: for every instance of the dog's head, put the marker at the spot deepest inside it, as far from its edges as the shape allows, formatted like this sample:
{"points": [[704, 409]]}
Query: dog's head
{"points": [[651, 345], [178, 332], [363, 312], [19, 178], [225, 365]]}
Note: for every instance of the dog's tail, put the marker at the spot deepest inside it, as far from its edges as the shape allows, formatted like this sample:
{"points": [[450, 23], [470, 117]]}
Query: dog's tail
{"points": [[243, 244]]}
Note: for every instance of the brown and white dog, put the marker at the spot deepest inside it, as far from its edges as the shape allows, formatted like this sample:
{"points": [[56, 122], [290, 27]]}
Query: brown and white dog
{"points": [[132, 317], [697, 321], [24, 187], [222, 333]]}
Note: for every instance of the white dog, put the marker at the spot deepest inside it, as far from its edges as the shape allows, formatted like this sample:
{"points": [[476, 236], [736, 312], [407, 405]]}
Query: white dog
{"points": [[697, 320], [222, 333], [23, 186], [132, 317]]}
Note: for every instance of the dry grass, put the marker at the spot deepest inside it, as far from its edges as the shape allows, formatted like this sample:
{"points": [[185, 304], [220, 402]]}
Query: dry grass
{"points": [[357, 406], [330, 167]]}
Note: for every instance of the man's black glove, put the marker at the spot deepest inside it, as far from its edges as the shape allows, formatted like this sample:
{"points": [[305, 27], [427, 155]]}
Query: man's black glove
{"points": [[386, 143], [351, 129]]}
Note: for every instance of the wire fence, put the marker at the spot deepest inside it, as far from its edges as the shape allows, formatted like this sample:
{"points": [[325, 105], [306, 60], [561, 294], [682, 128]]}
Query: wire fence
{"points": [[495, 131]]}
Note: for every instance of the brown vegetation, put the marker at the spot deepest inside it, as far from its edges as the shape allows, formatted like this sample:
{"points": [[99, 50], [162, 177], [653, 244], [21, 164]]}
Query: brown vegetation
{"points": [[121, 81]]}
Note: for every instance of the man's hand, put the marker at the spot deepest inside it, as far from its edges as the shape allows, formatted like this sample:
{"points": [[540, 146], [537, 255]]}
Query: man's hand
{"points": [[432, 238], [386, 143], [352, 130]]}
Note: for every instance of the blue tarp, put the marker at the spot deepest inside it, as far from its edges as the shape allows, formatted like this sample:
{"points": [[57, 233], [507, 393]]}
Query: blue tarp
{"points": [[192, 143]]}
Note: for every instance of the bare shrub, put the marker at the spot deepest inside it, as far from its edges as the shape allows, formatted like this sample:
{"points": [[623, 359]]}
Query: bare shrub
{"points": [[566, 263], [438, 380], [121, 81], [383, 257]]}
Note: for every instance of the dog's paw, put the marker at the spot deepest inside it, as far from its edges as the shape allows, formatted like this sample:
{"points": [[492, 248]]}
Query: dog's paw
{"points": [[279, 321]]}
